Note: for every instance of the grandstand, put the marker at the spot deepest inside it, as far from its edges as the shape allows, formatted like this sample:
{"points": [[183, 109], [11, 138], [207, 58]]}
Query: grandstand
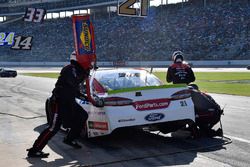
{"points": [[218, 30]]}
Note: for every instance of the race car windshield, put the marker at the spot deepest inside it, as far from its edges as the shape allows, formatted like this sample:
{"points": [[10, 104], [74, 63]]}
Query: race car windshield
{"points": [[113, 80]]}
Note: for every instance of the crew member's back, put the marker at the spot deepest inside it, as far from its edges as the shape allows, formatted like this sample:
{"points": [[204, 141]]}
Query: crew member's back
{"points": [[178, 72]]}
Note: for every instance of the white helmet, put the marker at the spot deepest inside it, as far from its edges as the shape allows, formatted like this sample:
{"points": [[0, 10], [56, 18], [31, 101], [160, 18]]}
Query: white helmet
{"points": [[177, 56], [73, 56]]}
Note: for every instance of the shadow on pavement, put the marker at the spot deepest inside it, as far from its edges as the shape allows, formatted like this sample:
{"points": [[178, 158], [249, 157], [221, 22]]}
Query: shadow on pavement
{"points": [[130, 147]]}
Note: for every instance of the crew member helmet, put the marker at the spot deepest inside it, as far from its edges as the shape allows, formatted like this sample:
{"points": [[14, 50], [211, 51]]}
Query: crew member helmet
{"points": [[73, 56], [177, 57]]}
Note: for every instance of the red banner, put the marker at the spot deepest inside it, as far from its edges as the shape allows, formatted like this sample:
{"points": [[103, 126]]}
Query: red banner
{"points": [[84, 40]]}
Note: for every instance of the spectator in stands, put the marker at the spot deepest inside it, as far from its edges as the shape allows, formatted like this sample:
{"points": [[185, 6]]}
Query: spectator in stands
{"points": [[204, 33], [179, 72]]}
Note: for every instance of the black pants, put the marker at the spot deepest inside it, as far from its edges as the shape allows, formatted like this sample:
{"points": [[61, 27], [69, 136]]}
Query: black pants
{"points": [[71, 114]]}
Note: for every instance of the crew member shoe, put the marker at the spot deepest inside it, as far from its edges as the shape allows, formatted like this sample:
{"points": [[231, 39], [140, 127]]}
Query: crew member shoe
{"points": [[72, 143], [36, 154]]}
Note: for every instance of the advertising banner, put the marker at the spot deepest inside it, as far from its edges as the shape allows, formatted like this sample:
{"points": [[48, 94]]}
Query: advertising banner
{"points": [[84, 42]]}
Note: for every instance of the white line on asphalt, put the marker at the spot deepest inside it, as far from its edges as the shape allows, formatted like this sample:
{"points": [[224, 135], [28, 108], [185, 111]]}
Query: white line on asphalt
{"points": [[239, 139]]}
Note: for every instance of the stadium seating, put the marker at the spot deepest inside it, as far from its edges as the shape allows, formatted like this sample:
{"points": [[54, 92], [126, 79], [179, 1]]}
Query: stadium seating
{"points": [[219, 31], [20, 6]]}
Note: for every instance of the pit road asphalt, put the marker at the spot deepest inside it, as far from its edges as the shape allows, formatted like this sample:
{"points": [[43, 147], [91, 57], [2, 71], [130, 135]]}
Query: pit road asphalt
{"points": [[22, 117]]}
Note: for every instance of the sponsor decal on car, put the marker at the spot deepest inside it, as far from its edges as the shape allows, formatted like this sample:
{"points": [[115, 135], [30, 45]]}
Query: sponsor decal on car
{"points": [[151, 104], [98, 125], [154, 117], [84, 102], [126, 120]]}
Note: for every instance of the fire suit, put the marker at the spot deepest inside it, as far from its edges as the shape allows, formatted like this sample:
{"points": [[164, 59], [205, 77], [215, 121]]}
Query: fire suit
{"points": [[180, 73], [67, 112]]}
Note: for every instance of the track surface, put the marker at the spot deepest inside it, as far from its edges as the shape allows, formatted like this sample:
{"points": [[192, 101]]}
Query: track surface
{"points": [[22, 117]]}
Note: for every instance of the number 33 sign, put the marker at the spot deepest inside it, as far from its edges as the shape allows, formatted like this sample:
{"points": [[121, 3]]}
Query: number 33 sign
{"points": [[35, 15], [128, 7]]}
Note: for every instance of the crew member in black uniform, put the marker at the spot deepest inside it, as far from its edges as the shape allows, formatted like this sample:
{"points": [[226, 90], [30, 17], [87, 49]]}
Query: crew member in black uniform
{"points": [[178, 72], [67, 112]]}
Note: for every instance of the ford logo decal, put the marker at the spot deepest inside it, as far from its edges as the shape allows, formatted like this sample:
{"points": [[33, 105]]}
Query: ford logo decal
{"points": [[154, 117]]}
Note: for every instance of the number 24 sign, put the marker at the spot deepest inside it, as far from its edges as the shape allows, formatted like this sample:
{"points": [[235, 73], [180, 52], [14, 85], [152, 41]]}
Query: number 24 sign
{"points": [[6, 38]]}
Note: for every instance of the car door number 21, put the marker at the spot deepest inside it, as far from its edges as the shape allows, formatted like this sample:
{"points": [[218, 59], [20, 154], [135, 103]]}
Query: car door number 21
{"points": [[183, 103]]}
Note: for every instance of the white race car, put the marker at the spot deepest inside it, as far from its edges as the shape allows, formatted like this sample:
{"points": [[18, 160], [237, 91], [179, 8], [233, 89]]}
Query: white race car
{"points": [[136, 98]]}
